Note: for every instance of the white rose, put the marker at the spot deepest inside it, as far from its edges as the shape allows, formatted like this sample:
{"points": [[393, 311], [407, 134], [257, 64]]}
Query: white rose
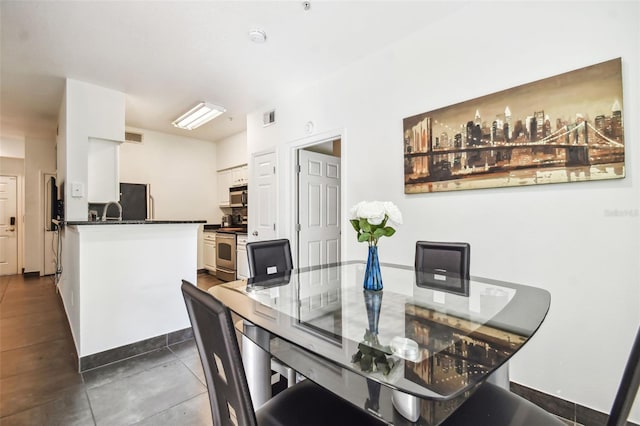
{"points": [[353, 212], [393, 212], [373, 211]]}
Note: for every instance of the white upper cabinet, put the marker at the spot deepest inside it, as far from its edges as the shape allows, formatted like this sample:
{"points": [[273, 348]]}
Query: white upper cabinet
{"points": [[228, 178], [224, 182], [240, 175]]}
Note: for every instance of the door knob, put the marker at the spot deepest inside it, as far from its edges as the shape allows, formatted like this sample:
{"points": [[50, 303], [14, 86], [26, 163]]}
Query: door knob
{"points": [[255, 233]]}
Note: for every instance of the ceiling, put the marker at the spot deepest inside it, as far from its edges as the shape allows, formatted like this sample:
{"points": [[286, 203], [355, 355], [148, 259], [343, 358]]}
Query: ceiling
{"points": [[167, 56]]}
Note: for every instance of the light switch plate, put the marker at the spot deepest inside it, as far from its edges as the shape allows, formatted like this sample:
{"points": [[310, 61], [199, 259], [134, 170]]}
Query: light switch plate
{"points": [[77, 190]]}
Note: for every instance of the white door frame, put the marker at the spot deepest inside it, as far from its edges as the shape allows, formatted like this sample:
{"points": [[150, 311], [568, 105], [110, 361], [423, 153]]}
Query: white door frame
{"points": [[294, 146], [20, 220]]}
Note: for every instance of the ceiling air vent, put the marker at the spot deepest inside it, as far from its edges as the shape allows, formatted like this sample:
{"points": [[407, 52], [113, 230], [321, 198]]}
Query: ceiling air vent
{"points": [[133, 137], [268, 118]]}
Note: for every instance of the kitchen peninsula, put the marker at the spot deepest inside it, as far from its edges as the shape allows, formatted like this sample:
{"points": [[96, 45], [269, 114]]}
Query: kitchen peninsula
{"points": [[121, 285]]}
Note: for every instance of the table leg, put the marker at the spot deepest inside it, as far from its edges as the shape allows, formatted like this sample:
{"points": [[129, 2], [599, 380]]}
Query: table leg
{"points": [[257, 364], [500, 377], [407, 405]]}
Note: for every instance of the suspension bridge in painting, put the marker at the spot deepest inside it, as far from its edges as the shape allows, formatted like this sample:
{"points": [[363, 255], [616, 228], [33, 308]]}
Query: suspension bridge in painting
{"points": [[579, 145]]}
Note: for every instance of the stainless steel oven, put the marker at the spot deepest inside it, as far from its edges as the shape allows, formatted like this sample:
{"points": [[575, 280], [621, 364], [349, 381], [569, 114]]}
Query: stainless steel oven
{"points": [[226, 256], [238, 196]]}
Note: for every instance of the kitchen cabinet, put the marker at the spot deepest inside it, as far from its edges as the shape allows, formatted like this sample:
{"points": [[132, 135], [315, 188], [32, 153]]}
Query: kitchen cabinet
{"points": [[224, 182], [209, 251], [242, 262], [228, 178], [240, 175]]}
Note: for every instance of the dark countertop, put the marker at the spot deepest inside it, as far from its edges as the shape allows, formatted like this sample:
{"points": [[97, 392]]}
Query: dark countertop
{"points": [[129, 222], [228, 229], [234, 229]]}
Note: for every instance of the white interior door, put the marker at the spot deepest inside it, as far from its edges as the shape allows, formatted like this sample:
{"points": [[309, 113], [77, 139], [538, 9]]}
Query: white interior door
{"points": [[319, 208], [8, 225], [263, 203]]}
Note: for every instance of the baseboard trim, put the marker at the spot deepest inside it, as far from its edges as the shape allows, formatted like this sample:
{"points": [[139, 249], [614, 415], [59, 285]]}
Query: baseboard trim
{"points": [[577, 413], [133, 349]]}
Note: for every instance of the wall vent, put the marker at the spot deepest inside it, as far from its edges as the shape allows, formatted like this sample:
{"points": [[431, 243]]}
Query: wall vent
{"points": [[133, 137], [268, 118]]}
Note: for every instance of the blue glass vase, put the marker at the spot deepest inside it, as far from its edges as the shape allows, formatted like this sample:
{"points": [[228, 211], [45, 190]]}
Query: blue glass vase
{"points": [[372, 276], [373, 303]]}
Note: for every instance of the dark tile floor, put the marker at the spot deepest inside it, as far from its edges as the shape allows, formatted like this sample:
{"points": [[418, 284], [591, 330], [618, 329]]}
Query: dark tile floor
{"points": [[39, 384]]}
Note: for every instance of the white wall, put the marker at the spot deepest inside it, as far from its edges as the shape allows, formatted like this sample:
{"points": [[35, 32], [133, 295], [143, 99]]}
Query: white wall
{"points": [[28, 158], [12, 166], [129, 278], [559, 237], [12, 147], [232, 151], [39, 159], [86, 111], [181, 172]]}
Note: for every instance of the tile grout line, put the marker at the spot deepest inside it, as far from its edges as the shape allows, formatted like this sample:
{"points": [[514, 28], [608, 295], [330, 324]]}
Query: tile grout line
{"points": [[86, 395]]}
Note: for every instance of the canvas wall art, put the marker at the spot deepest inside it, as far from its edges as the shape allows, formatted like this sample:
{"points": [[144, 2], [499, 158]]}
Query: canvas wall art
{"points": [[566, 128]]}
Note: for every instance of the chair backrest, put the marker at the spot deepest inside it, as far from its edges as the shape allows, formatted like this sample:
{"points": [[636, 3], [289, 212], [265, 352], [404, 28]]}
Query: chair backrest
{"points": [[444, 257], [443, 266], [269, 257], [628, 387], [221, 360]]}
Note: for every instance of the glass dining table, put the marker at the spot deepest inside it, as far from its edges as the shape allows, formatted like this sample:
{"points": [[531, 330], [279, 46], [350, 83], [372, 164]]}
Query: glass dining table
{"points": [[409, 354]]}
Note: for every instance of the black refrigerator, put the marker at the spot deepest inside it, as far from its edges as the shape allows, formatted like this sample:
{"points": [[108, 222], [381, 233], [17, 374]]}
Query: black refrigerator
{"points": [[135, 201]]}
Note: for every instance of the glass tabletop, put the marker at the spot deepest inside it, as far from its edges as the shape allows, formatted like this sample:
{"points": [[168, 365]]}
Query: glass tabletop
{"points": [[426, 335]]}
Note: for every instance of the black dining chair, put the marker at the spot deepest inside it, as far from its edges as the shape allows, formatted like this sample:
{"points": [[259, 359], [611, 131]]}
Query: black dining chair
{"points": [[269, 257], [628, 388], [302, 404], [491, 405], [443, 266], [266, 258], [445, 258]]}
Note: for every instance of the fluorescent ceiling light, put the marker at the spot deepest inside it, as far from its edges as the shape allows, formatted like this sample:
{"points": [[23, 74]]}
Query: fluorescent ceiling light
{"points": [[198, 115]]}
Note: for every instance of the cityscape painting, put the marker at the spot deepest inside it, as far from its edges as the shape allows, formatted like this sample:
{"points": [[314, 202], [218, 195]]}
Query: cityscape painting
{"points": [[566, 128]]}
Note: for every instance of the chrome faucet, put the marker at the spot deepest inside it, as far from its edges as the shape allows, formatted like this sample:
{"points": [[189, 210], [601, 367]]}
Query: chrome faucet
{"points": [[106, 207]]}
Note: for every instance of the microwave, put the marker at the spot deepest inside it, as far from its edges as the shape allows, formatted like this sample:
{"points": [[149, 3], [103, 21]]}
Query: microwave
{"points": [[238, 196]]}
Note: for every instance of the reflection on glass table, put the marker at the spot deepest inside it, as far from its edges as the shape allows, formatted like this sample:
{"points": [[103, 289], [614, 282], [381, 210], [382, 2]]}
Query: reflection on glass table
{"points": [[437, 346]]}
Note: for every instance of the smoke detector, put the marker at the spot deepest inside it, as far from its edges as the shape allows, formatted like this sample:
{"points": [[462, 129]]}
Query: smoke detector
{"points": [[257, 36]]}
